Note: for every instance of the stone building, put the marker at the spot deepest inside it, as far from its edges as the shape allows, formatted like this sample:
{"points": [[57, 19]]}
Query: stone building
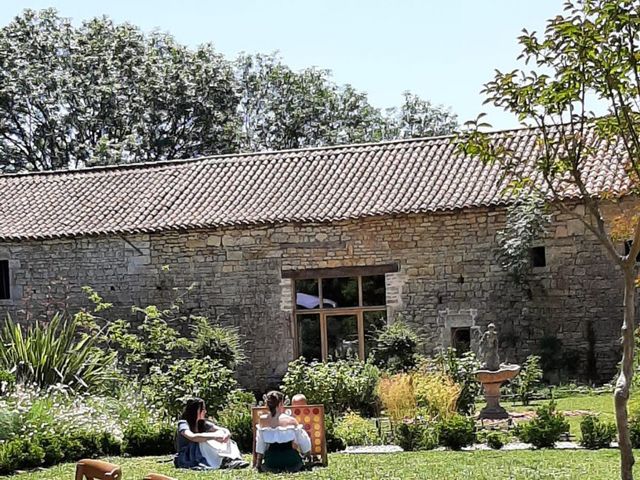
{"points": [[307, 251]]}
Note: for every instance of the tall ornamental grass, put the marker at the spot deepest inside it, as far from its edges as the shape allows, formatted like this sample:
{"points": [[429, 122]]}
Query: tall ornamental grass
{"points": [[55, 352]]}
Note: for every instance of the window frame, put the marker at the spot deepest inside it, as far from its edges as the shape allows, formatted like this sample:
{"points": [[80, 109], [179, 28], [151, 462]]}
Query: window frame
{"points": [[323, 312]]}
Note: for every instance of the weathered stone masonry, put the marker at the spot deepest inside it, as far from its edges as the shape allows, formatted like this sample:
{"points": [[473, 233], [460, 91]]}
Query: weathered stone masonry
{"points": [[446, 264]]}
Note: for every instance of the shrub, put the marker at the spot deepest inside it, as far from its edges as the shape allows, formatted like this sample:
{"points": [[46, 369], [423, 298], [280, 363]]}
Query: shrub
{"points": [[396, 347], [456, 431], [634, 431], [495, 439], [56, 352], [54, 446], [341, 385], [545, 429], [529, 378], [436, 393], [194, 377], [18, 454], [596, 433], [415, 434], [334, 443], [398, 396], [461, 370], [355, 430], [7, 382], [143, 439], [236, 416], [9, 423], [220, 343], [73, 446]]}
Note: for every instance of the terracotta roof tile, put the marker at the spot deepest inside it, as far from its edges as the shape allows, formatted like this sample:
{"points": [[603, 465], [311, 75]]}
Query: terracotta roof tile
{"points": [[310, 185]]}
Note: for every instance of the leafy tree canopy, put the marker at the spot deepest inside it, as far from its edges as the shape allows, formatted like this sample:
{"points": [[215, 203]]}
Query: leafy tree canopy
{"points": [[588, 55], [103, 93]]}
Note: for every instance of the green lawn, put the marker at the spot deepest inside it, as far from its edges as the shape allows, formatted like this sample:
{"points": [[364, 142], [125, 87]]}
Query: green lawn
{"points": [[601, 404], [486, 465]]}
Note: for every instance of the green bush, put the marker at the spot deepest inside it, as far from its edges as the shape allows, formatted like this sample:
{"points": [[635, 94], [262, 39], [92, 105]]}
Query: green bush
{"points": [[194, 377], [50, 448], [73, 446], [7, 382], [355, 430], [596, 433], [634, 431], [415, 434], [334, 443], [236, 416], [529, 378], [396, 347], [339, 386], [495, 439], [142, 439], [55, 352], [10, 423], [545, 429], [20, 454], [218, 342], [456, 431]]}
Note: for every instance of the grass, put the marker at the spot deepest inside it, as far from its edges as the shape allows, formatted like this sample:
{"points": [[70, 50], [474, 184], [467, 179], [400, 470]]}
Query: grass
{"points": [[600, 404], [483, 465], [479, 465]]}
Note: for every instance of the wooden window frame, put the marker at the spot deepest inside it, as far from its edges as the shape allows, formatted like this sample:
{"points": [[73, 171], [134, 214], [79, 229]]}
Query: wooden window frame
{"points": [[323, 313]]}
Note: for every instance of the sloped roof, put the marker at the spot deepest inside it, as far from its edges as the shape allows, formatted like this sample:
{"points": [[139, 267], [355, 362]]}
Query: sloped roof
{"points": [[308, 185]]}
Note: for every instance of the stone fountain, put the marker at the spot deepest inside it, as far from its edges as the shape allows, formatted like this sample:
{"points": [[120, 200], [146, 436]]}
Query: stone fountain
{"points": [[492, 374]]}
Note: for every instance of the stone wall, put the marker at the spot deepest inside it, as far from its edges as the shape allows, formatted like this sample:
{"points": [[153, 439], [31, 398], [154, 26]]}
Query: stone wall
{"points": [[446, 267]]}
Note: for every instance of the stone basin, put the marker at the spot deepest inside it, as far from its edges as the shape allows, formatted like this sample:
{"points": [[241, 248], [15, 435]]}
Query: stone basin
{"points": [[491, 381], [506, 372]]}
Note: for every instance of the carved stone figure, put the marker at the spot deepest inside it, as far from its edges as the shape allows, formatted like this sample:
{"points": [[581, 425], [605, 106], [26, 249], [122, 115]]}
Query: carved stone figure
{"points": [[489, 349]]}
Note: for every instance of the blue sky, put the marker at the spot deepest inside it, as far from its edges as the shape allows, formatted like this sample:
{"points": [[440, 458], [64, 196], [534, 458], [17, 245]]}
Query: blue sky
{"points": [[442, 50]]}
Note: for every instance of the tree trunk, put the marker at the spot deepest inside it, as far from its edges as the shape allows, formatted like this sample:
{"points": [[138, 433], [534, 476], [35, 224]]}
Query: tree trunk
{"points": [[623, 384]]}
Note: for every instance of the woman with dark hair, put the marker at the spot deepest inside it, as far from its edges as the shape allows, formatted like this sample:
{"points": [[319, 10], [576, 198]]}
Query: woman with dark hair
{"points": [[202, 444], [275, 435]]}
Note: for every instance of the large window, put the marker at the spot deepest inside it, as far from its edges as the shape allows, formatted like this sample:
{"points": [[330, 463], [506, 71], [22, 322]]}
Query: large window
{"points": [[336, 316]]}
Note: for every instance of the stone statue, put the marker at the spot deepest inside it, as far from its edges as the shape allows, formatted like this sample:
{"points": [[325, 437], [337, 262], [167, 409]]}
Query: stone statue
{"points": [[489, 349]]}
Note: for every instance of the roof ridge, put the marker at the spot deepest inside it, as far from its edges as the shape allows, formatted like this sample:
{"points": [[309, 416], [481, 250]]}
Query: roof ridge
{"points": [[241, 155]]}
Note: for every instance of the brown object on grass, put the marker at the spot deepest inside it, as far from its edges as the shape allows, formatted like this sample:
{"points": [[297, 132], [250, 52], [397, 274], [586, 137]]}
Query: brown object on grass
{"points": [[157, 476], [97, 470]]}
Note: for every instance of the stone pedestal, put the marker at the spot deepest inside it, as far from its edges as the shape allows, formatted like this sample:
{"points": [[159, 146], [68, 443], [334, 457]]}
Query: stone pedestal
{"points": [[493, 410], [491, 382]]}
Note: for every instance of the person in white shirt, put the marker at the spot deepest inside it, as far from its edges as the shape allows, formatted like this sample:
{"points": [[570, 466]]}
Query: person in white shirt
{"points": [[275, 435]]}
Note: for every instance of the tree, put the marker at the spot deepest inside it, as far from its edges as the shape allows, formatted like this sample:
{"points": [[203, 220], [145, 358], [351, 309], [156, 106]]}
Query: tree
{"points": [[283, 109], [590, 53], [105, 93], [417, 118]]}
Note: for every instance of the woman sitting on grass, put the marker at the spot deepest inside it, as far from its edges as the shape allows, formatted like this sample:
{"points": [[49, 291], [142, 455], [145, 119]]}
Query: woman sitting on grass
{"points": [[275, 435], [203, 445]]}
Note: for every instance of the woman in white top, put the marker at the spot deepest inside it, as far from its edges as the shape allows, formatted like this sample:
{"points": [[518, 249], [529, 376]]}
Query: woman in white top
{"points": [[275, 435]]}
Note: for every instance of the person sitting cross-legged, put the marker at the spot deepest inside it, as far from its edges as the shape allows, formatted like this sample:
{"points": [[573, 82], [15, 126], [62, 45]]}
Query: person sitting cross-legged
{"points": [[202, 444], [275, 435]]}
